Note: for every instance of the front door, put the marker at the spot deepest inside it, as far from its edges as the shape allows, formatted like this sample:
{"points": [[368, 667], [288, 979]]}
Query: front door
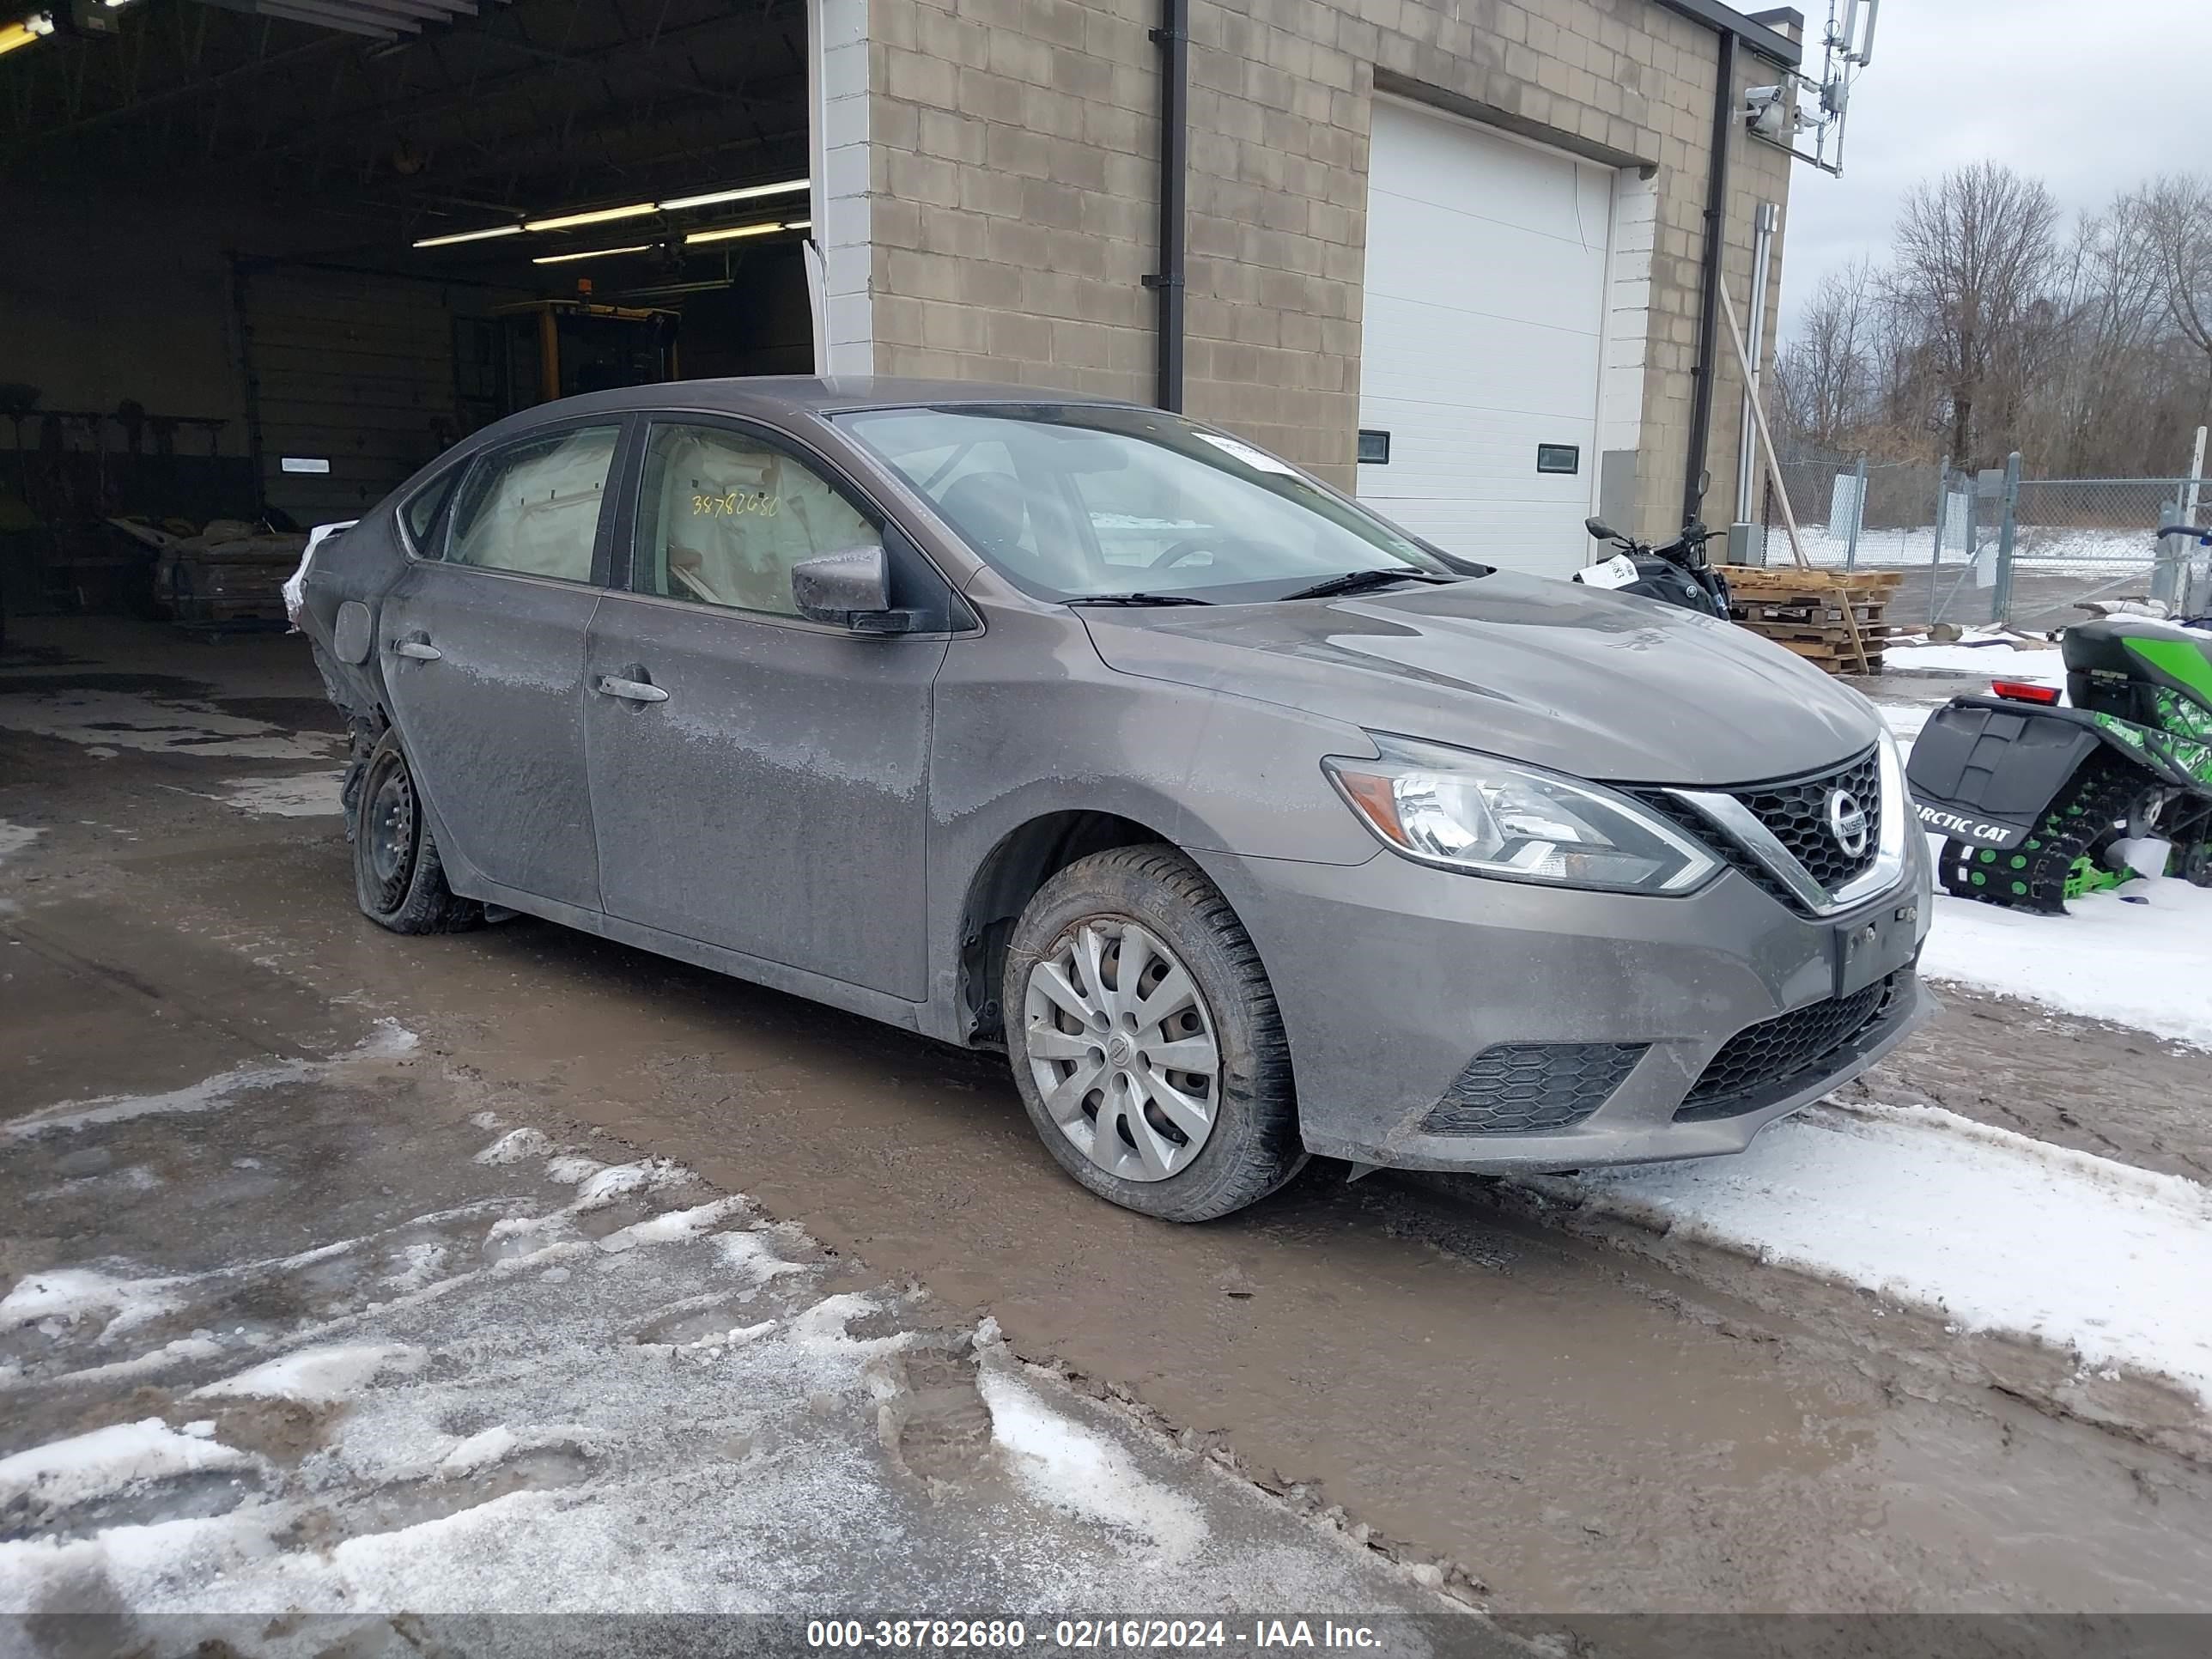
{"points": [[757, 779], [482, 649]]}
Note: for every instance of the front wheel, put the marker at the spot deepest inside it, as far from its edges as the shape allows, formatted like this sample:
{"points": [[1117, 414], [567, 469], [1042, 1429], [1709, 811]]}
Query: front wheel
{"points": [[1145, 1038], [399, 878]]}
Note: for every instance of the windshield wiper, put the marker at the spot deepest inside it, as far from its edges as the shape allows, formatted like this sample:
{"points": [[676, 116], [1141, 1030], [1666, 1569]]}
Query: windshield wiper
{"points": [[1359, 581], [1138, 598]]}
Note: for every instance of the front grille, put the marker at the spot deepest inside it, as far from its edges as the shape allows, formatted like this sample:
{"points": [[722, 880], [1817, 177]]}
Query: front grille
{"points": [[1797, 815], [1758, 1060], [1529, 1088], [1796, 812], [1710, 837]]}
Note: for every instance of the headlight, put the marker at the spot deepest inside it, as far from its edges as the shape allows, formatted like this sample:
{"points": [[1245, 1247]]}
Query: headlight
{"points": [[1493, 817]]}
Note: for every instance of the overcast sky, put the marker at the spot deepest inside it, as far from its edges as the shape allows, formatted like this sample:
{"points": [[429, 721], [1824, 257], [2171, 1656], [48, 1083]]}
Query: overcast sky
{"points": [[2090, 96]]}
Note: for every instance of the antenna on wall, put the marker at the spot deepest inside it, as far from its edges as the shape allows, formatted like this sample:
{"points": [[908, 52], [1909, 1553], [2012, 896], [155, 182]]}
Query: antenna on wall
{"points": [[1780, 115]]}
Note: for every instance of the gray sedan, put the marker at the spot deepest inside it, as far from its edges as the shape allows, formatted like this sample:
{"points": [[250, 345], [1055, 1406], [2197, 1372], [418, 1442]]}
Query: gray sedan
{"points": [[1248, 826]]}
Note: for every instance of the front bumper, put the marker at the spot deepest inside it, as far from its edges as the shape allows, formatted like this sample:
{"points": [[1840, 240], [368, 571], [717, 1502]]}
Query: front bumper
{"points": [[1392, 978]]}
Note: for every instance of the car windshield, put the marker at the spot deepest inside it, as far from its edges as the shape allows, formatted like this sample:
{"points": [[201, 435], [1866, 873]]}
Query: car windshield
{"points": [[1072, 502]]}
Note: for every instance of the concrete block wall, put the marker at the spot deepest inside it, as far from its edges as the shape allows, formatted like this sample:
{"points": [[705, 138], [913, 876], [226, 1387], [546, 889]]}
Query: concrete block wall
{"points": [[1015, 188]]}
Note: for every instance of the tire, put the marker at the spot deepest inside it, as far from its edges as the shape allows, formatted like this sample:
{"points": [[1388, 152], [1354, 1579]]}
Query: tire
{"points": [[398, 878], [1246, 1143]]}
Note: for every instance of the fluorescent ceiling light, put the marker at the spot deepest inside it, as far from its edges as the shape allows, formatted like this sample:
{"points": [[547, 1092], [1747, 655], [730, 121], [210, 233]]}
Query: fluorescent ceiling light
{"points": [[594, 253], [799, 224], [597, 216], [470, 236], [729, 232], [751, 192]]}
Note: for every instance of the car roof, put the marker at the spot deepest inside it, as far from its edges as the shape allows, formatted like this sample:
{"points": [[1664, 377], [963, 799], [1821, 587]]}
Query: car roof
{"points": [[785, 394]]}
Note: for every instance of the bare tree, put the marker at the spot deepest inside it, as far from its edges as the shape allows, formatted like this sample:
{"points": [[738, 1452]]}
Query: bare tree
{"points": [[1975, 255], [1825, 374], [1988, 331], [2175, 216], [2099, 403]]}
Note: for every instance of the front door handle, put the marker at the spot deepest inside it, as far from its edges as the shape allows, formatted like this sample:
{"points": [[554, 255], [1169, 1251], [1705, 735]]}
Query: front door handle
{"points": [[418, 650], [614, 685]]}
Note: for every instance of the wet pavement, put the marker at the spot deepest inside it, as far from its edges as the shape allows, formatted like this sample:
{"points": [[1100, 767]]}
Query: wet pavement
{"points": [[1572, 1416]]}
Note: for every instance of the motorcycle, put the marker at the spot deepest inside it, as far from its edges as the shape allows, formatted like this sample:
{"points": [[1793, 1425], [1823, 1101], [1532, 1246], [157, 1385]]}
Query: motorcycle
{"points": [[1675, 573], [2040, 801]]}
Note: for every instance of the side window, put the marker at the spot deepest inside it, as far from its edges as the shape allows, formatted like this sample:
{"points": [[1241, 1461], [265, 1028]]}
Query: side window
{"points": [[422, 510], [535, 508], [722, 518]]}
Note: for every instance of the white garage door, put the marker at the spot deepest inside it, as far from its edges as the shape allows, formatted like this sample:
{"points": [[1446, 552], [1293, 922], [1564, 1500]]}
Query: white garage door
{"points": [[1481, 347]]}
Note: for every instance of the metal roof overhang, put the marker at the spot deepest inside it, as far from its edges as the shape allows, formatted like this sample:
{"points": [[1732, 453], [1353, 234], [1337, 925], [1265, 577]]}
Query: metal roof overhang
{"points": [[1770, 43]]}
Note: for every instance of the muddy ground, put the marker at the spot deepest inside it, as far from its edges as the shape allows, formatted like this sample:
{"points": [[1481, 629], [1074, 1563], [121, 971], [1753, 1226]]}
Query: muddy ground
{"points": [[1580, 1420]]}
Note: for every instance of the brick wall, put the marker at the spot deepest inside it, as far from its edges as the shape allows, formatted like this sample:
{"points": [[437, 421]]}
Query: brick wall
{"points": [[1014, 176]]}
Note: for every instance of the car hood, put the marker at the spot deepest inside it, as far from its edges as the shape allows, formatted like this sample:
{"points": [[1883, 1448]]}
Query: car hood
{"points": [[1576, 679]]}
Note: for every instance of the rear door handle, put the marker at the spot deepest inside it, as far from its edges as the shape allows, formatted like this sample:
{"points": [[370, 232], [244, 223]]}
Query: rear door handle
{"points": [[419, 650], [614, 685]]}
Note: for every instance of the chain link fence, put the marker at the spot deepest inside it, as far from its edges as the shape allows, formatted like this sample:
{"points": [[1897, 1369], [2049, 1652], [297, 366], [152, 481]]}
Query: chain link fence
{"points": [[1996, 548]]}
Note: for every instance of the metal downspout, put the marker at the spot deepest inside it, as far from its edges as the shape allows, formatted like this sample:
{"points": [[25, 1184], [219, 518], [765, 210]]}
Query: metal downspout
{"points": [[1709, 305], [1173, 39]]}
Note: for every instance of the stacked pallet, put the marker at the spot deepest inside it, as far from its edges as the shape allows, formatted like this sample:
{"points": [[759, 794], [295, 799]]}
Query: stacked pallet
{"points": [[1809, 612]]}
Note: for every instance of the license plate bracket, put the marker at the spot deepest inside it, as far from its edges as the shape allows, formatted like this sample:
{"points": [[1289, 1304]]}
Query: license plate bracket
{"points": [[1874, 946]]}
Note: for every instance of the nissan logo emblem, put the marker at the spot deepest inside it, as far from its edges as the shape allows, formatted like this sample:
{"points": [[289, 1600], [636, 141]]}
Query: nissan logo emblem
{"points": [[1847, 822]]}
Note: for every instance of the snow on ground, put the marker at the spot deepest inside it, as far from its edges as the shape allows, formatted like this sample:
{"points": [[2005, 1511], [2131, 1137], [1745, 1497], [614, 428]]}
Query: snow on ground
{"points": [[2141, 955], [2004, 658], [665, 1404], [318, 1376], [125, 720], [388, 1042], [1079, 1471], [1997, 1232], [114, 1459], [14, 838], [66, 1295], [2146, 964], [1906, 721], [301, 795], [2060, 551]]}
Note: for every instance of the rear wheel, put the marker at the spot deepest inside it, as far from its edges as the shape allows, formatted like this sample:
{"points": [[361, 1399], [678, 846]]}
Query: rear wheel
{"points": [[1145, 1038], [399, 878]]}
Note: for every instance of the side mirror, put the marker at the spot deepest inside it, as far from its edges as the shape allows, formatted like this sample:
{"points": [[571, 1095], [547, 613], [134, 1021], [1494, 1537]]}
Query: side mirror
{"points": [[852, 589], [1600, 529]]}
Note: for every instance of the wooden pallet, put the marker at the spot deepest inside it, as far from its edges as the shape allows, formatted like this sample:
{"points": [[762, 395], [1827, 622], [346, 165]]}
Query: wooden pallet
{"points": [[1837, 657], [1810, 612], [1807, 613], [1765, 579], [1876, 634]]}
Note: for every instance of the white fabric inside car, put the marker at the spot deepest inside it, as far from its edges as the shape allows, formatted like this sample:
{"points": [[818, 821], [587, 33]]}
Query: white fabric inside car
{"points": [[539, 511], [733, 516]]}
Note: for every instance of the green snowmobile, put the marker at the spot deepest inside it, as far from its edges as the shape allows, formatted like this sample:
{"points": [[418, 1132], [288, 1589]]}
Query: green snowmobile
{"points": [[2038, 802]]}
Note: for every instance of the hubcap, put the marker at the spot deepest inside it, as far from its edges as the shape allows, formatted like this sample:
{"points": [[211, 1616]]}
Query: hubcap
{"points": [[1121, 1048], [391, 829]]}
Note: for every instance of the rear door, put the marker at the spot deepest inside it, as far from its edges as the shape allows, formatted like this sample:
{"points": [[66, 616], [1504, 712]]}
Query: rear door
{"points": [[482, 648], [757, 779]]}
